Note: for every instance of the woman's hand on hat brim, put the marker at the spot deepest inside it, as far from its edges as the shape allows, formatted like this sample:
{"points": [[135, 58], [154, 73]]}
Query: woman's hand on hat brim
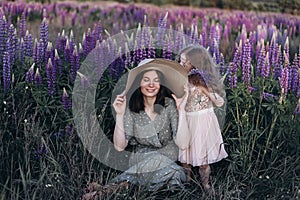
{"points": [[181, 102]]}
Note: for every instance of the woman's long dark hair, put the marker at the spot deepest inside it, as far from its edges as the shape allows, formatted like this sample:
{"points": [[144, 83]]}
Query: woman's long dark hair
{"points": [[136, 101]]}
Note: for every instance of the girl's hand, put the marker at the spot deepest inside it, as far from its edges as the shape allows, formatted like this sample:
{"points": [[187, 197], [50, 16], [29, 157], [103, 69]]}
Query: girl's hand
{"points": [[120, 104], [181, 102]]}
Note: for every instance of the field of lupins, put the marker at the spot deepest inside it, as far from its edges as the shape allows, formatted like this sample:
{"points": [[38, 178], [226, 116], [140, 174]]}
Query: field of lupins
{"points": [[44, 46]]}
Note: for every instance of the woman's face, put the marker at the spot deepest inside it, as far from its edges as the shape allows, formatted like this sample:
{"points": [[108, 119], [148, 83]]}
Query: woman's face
{"points": [[185, 63], [150, 84]]}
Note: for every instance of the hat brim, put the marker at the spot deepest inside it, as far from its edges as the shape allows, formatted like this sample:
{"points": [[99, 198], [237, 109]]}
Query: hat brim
{"points": [[175, 77]]}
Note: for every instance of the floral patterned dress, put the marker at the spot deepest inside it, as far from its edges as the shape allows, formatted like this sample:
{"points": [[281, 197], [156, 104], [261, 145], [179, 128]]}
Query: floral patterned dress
{"points": [[152, 164]]}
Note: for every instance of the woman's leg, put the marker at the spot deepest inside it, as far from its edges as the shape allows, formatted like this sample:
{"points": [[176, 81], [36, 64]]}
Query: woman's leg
{"points": [[188, 170], [204, 171]]}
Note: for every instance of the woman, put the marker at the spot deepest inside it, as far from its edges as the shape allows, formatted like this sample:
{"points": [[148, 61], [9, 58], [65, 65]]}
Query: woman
{"points": [[154, 124]]}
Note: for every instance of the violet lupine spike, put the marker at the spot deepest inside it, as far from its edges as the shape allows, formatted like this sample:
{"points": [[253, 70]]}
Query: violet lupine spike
{"points": [[44, 34], [232, 75], [49, 52], [84, 81], [23, 25], [22, 52], [40, 52], [80, 51], [162, 24], [38, 80], [267, 95], [30, 74], [266, 68], [73, 20], [284, 79], [277, 69], [29, 44], [294, 74], [151, 49], [246, 63], [222, 65], [286, 48], [11, 45], [66, 101], [128, 56], [273, 50], [261, 61], [6, 71], [204, 37], [179, 38], [212, 33], [35, 51], [51, 78], [67, 53], [3, 34], [57, 62], [216, 51]]}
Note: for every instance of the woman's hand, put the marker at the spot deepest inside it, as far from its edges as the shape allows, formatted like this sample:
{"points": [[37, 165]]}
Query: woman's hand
{"points": [[120, 104], [181, 102]]}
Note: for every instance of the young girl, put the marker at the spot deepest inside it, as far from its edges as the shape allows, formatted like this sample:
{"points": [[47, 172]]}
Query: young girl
{"points": [[205, 91]]}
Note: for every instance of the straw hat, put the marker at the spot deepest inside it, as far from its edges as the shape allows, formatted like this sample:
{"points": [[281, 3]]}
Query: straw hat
{"points": [[175, 77]]}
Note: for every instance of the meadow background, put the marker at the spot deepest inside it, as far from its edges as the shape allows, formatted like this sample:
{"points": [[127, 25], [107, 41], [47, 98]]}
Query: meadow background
{"points": [[42, 47]]}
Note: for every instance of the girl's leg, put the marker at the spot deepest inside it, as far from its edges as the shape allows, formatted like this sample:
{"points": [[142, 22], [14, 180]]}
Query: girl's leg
{"points": [[204, 171], [188, 169]]}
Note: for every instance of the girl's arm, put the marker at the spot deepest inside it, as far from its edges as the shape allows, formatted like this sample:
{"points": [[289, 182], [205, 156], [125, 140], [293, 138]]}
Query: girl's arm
{"points": [[120, 142], [214, 97], [183, 136]]}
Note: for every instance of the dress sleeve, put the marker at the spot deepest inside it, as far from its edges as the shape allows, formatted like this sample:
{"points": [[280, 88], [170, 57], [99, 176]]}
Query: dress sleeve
{"points": [[128, 124], [216, 99], [173, 115]]}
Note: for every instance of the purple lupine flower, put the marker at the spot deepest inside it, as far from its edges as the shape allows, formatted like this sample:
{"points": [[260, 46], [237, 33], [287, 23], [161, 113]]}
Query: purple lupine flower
{"points": [[74, 59], [162, 24], [28, 40], [178, 38], [22, 52], [23, 25], [167, 53], [30, 74], [266, 68], [44, 38], [80, 51], [40, 56], [261, 60], [267, 96], [73, 20], [51, 78], [277, 69], [67, 53], [246, 63], [128, 56], [49, 52], [11, 43], [222, 64], [6, 71], [38, 80], [297, 109], [286, 48], [212, 35], [273, 51], [284, 81], [57, 62], [84, 81], [3, 34], [233, 75], [151, 50], [66, 101], [294, 75]]}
